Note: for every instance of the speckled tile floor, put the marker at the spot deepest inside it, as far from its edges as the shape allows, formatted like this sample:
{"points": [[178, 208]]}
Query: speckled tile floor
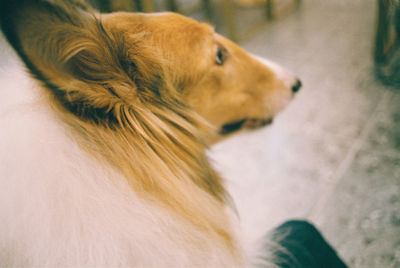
{"points": [[333, 156]]}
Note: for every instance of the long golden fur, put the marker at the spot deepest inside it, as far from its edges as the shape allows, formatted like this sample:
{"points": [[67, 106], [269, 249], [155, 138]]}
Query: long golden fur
{"points": [[142, 94]]}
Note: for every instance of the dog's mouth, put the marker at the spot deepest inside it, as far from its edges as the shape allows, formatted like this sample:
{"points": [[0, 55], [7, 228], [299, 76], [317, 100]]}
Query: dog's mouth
{"points": [[248, 123]]}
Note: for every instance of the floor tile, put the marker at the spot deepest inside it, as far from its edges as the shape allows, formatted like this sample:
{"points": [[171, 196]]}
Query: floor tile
{"points": [[362, 216], [385, 135]]}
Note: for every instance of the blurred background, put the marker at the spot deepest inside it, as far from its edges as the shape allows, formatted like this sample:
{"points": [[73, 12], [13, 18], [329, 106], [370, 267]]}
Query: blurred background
{"points": [[333, 156]]}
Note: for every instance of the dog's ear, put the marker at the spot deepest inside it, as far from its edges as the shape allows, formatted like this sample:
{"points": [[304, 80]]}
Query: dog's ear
{"points": [[47, 34], [85, 64]]}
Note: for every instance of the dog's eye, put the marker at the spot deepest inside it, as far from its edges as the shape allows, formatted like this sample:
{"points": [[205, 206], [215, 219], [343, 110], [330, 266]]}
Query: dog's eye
{"points": [[221, 55]]}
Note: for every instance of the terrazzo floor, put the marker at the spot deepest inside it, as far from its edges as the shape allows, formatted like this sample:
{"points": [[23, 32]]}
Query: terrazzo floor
{"points": [[333, 156]]}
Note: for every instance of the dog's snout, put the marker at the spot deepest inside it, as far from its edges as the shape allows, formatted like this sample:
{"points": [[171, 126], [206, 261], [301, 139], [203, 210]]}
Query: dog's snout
{"points": [[296, 86]]}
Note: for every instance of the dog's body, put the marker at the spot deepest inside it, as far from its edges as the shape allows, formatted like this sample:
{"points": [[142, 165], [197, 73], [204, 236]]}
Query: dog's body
{"points": [[102, 162]]}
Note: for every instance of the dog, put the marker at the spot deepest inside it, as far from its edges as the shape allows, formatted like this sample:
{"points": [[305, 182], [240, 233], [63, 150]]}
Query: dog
{"points": [[106, 119]]}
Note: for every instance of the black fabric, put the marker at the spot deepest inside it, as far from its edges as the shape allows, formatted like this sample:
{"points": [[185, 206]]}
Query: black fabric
{"points": [[302, 246]]}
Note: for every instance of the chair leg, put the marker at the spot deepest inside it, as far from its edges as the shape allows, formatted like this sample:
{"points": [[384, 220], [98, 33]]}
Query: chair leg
{"points": [[382, 33], [145, 6], [208, 7], [229, 18], [172, 5], [269, 9]]}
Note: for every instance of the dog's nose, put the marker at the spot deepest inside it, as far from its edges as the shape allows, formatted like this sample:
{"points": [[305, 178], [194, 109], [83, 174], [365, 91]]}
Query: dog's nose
{"points": [[296, 86]]}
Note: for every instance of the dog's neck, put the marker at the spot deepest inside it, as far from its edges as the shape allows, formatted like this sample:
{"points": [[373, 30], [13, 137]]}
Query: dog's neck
{"points": [[161, 154]]}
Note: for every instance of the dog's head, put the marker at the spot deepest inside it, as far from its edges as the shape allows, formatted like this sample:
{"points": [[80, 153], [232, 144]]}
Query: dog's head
{"points": [[229, 87], [137, 57]]}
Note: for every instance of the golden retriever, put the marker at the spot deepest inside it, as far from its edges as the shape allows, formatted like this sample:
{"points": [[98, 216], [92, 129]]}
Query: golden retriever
{"points": [[103, 144]]}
